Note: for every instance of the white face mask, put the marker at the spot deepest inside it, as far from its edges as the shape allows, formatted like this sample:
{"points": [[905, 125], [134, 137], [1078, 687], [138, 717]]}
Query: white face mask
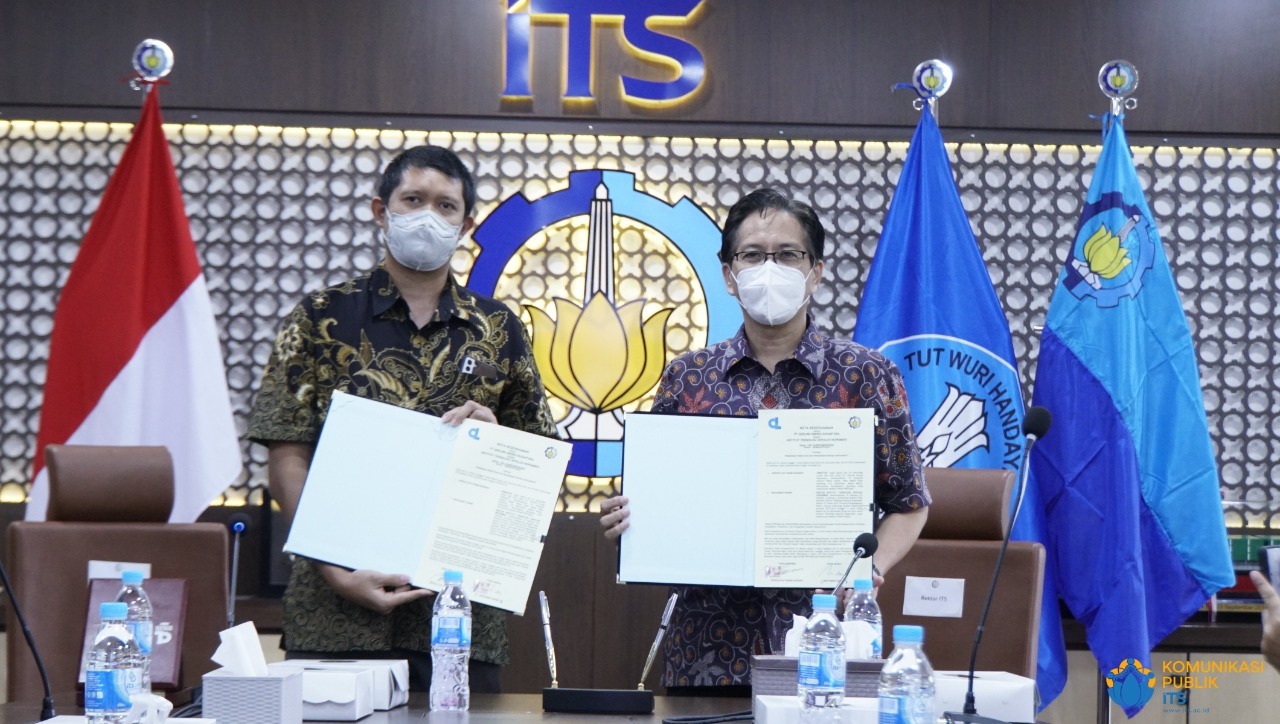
{"points": [[771, 293], [423, 240]]}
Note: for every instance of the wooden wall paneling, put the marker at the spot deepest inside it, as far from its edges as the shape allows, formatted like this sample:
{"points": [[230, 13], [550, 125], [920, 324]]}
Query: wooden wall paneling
{"points": [[1019, 65], [566, 574], [627, 617], [602, 629]]}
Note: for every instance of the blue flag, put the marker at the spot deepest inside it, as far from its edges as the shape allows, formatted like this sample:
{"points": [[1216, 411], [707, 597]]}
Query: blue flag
{"points": [[1124, 489], [929, 306]]}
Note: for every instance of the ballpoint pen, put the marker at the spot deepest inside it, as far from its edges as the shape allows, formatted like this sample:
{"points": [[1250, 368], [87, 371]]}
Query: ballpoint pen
{"points": [[657, 640], [546, 635]]}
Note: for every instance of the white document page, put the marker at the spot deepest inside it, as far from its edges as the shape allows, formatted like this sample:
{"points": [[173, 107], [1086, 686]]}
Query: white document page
{"points": [[372, 486], [495, 507], [383, 477], [814, 494], [690, 482]]}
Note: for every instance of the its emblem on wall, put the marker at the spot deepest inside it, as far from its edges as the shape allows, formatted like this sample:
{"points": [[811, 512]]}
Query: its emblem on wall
{"points": [[609, 302]]}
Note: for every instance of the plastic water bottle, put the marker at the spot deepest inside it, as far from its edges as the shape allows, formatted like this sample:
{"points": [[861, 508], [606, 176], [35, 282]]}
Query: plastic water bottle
{"points": [[906, 681], [113, 675], [862, 608], [451, 646], [821, 666], [138, 620]]}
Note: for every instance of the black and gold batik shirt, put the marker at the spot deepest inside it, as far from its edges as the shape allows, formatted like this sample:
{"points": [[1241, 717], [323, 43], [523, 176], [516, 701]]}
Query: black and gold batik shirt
{"points": [[357, 337]]}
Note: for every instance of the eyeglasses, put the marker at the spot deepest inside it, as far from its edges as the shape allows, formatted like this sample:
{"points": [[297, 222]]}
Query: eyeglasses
{"points": [[786, 257]]}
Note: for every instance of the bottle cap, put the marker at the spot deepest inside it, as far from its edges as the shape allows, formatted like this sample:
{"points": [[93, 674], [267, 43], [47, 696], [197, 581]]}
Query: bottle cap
{"points": [[453, 578], [113, 611], [824, 602], [863, 584], [908, 634], [131, 578]]}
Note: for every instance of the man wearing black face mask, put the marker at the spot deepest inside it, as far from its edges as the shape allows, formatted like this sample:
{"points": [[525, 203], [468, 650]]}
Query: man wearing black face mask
{"points": [[408, 334], [771, 250]]}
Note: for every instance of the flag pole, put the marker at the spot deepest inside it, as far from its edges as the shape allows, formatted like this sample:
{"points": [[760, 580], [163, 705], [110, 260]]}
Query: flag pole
{"points": [[931, 80], [1118, 79], [152, 61]]}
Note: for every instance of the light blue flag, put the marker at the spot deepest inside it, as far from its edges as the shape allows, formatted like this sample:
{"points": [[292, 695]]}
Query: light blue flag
{"points": [[1124, 489], [929, 306]]}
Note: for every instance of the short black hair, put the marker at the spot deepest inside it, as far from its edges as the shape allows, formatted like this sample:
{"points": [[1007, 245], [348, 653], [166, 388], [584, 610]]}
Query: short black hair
{"points": [[436, 157], [767, 199]]}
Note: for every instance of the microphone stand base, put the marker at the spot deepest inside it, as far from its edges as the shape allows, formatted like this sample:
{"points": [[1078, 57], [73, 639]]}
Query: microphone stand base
{"points": [[955, 717], [598, 701]]}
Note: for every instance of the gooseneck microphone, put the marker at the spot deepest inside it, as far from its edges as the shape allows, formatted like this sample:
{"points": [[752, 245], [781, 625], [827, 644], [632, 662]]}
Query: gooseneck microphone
{"points": [[1034, 425], [238, 524], [46, 708], [864, 546]]}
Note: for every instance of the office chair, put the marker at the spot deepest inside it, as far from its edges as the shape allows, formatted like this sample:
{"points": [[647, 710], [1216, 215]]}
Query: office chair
{"points": [[961, 539], [112, 504]]}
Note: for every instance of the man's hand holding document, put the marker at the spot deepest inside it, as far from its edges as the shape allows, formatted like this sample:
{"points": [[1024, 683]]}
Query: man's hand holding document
{"points": [[399, 491]]}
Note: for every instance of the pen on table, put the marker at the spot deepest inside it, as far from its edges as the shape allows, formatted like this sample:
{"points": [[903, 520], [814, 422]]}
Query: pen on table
{"points": [[657, 640], [546, 634]]}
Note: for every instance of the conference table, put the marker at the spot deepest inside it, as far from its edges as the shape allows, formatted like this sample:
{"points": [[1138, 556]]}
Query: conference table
{"points": [[485, 708]]}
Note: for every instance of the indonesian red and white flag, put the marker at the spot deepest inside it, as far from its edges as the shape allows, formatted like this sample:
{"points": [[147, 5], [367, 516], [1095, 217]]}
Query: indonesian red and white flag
{"points": [[134, 357]]}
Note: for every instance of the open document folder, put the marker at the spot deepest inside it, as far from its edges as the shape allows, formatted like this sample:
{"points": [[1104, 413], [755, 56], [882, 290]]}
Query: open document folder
{"points": [[773, 501], [399, 491]]}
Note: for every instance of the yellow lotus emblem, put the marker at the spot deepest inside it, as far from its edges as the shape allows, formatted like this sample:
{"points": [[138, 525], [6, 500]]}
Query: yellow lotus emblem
{"points": [[1105, 255], [599, 357]]}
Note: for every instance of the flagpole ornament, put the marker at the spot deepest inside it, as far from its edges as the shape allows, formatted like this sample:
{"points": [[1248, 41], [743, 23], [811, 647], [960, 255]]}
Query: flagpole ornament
{"points": [[931, 80], [152, 60], [1118, 79]]}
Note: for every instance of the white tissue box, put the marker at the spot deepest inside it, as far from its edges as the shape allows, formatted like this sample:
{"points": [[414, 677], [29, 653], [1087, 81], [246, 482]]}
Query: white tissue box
{"points": [[997, 694], [272, 699], [859, 639], [390, 677], [333, 694], [778, 675], [786, 710]]}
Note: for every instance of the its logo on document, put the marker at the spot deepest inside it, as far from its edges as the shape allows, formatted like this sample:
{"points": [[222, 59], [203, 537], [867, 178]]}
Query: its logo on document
{"points": [[1131, 684], [775, 423], [474, 433], [855, 422], [550, 453], [969, 398], [614, 283], [1115, 247]]}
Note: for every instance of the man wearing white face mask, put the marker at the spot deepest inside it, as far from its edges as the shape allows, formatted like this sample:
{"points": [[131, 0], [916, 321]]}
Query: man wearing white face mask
{"points": [[772, 254], [409, 334]]}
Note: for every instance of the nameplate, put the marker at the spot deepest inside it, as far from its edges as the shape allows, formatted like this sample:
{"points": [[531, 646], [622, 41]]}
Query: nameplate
{"points": [[936, 597]]}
